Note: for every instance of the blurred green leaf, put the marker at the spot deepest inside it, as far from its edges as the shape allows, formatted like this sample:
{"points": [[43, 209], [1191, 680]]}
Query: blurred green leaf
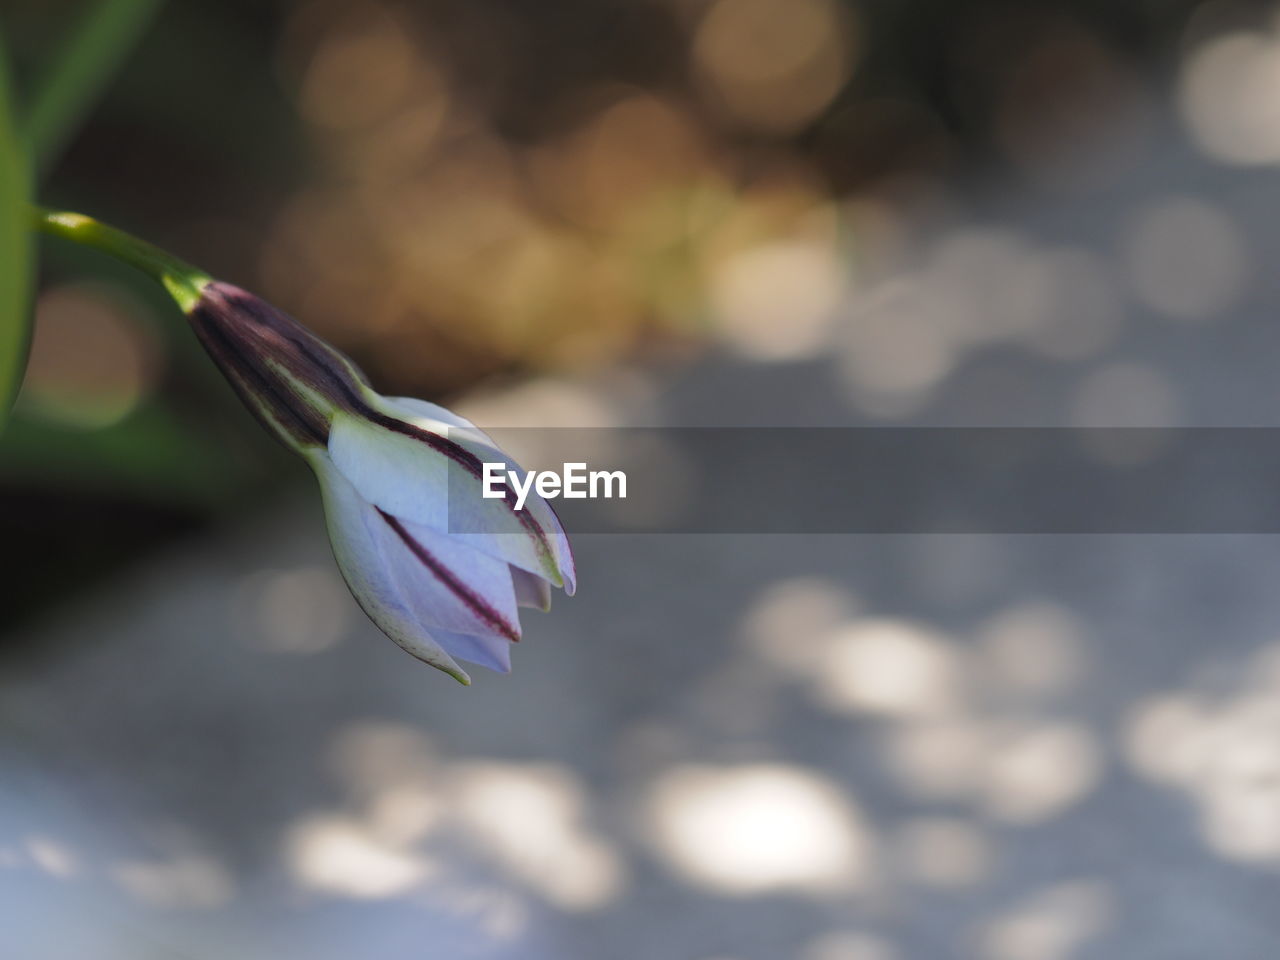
{"points": [[79, 73], [15, 248], [149, 455]]}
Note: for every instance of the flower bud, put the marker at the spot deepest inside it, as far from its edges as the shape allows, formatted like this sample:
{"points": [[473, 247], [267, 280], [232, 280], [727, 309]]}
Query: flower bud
{"points": [[396, 473], [440, 568]]}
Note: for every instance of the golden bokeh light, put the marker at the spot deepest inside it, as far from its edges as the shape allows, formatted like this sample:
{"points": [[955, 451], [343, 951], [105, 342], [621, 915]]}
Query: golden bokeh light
{"points": [[360, 74], [619, 159], [778, 301], [770, 66], [91, 364]]}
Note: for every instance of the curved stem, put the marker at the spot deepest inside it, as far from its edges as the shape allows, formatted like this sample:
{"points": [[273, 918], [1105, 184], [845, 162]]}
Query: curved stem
{"points": [[183, 281]]}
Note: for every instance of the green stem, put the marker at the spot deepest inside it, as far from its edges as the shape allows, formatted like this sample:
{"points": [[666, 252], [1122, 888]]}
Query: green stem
{"points": [[183, 281], [78, 74]]}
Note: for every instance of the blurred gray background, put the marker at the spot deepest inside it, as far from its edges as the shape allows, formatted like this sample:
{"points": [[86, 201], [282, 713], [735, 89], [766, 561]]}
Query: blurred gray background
{"points": [[724, 747]]}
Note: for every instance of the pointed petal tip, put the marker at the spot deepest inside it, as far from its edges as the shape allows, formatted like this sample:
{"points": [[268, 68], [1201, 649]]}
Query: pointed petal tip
{"points": [[569, 577]]}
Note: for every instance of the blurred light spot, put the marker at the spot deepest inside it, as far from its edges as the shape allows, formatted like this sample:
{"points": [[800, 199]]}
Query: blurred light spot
{"points": [[1033, 775], [1169, 738], [90, 364], [1049, 925], [773, 66], [620, 159], [1241, 789], [776, 302], [361, 70], [752, 829], [943, 852], [531, 819], [936, 759], [988, 285], [790, 620], [1116, 402], [1227, 757], [848, 946], [894, 351], [299, 611], [1033, 649], [1125, 395], [402, 815], [339, 856], [1228, 98], [889, 667], [539, 403], [786, 201], [52, 856], [1264, 669], [187, 881], [1185, 258]]}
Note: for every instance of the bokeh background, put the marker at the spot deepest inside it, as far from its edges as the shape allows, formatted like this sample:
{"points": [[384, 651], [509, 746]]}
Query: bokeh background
{"points": [[652, 212]]}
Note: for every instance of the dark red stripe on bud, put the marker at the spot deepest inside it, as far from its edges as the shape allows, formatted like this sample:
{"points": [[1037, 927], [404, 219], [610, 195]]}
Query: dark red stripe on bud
{"points": [[482, 609]]}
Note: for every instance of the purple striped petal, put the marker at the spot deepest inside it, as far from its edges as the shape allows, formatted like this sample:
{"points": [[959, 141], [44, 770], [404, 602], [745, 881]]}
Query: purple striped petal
{"points": [[407, 473], [359, 537], [449, 585]]}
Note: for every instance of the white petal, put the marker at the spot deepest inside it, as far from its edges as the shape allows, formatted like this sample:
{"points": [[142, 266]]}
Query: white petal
{"points": [[448, 585], [358, 536], [408, 478], [531, 590], [396, 473], [442, 421]]}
